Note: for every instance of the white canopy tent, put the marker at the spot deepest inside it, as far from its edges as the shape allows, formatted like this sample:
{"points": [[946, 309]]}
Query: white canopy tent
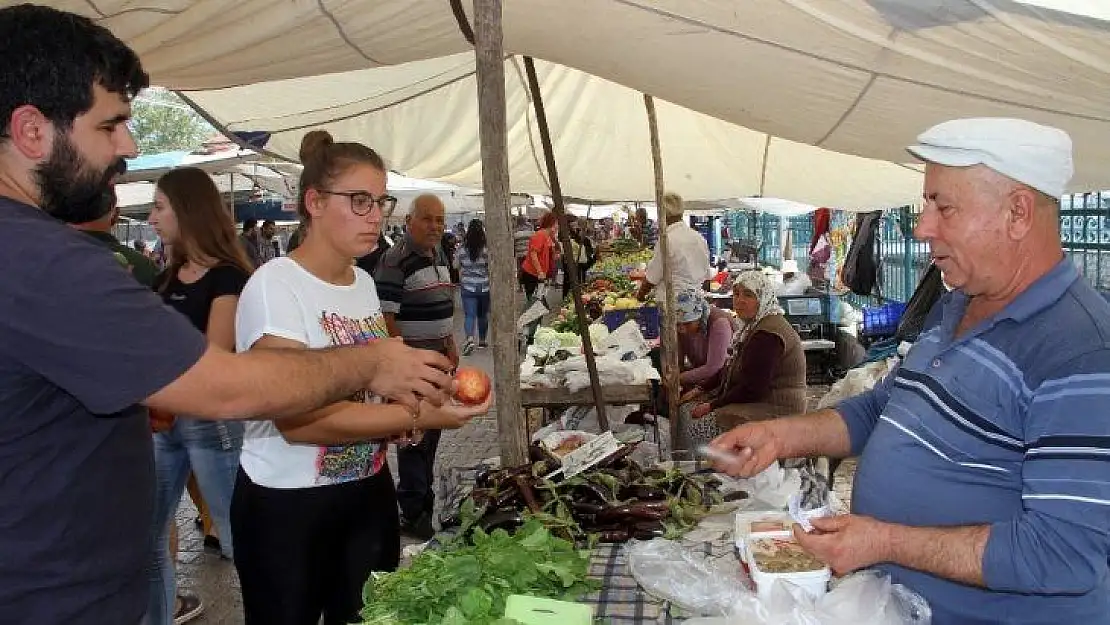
{"points": [[860, 77]]}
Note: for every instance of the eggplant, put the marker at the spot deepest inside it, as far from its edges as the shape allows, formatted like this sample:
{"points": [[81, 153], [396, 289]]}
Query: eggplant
{"points": [[643, 492], [617, 457], [501, 519], [588, 491], [505, 497], [648, 530], [527, 493], [585, 507], [614, 535], [634, 512], [482, 496]]}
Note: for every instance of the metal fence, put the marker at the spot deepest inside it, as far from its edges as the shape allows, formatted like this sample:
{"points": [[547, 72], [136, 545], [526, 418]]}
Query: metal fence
{"points": [[1084, 232], [903, 260]]}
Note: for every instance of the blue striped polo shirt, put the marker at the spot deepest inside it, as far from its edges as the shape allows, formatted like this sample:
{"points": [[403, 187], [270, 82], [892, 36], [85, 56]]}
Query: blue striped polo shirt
{"points": [[1007, 426]]}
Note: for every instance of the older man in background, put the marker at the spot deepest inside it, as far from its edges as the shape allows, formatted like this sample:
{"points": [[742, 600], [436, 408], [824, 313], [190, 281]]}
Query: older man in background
{"points": [[982, 481], [418, 302], [688, 251]]}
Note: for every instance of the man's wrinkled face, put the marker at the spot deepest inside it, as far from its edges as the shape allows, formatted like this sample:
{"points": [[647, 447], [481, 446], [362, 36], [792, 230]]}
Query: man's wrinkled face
{"points": [[965, 224], [77, 178], [426, 224]]}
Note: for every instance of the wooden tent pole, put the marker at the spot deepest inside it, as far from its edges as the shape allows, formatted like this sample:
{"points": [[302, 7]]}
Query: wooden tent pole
{"points": [[668, 328], [564, 238], [512, 431]]}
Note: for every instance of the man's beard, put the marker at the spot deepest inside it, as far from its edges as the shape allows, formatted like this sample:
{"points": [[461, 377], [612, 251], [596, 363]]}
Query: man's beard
{"points": [[70, 190]]}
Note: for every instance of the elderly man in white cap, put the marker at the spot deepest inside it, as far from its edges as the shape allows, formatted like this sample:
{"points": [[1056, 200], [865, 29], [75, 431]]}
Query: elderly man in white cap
{"points": [[688, 251], [984, 476]]}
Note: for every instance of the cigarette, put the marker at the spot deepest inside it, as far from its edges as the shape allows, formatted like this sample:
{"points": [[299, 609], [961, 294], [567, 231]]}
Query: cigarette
{"points": [[719, 454]]}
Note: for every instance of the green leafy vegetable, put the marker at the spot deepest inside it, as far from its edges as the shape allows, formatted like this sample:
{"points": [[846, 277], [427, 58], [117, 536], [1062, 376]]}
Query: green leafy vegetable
{"points": [[468, 584]]}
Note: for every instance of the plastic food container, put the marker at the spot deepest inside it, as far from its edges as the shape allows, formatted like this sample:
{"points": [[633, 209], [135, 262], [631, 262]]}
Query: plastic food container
{"points": [[762, 524], [814, 582]]}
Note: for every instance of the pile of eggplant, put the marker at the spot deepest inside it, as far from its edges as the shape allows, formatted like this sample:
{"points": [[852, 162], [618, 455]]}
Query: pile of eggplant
{"points": [[615, 501]]}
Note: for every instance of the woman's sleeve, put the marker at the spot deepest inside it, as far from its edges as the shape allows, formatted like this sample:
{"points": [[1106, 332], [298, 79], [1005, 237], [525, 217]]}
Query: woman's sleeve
{"points": [[757, 367], [719, 339]]}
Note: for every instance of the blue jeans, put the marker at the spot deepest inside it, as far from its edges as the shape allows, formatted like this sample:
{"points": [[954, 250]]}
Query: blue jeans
{"points": [[210, 449], [475, 312]]}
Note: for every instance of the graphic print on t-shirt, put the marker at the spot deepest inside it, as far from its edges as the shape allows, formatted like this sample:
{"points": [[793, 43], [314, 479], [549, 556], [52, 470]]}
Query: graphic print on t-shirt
{"points": [[336, 464]]}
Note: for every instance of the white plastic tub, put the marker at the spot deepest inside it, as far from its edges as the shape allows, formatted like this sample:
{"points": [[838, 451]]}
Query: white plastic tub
{"points": [[815, 583], [760, 524]]}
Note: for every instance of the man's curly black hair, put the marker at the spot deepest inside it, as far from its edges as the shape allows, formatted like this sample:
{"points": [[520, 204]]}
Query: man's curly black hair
{"points": [[51, 59]]}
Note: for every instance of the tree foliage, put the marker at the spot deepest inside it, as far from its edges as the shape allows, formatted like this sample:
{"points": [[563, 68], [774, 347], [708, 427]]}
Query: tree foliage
{"points": [[162, 122]]}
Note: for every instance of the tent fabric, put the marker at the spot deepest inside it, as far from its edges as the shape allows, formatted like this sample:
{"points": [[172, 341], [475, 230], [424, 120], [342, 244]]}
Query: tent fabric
{"points": [[858, 77], [599, 132]]}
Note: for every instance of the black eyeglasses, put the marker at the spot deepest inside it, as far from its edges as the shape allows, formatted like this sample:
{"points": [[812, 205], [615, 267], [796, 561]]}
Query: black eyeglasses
{"points": [[362, 203]]}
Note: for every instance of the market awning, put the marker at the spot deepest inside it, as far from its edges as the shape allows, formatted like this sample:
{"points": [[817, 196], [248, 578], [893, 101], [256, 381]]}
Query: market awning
{"points": [[859, 77]]}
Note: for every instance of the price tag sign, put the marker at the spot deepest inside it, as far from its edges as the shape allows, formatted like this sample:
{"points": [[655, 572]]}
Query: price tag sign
{"points": [[590, 454]]}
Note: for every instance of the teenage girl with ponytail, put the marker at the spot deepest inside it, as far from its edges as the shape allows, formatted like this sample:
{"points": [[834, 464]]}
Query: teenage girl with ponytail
{"points": [[314, 510]]}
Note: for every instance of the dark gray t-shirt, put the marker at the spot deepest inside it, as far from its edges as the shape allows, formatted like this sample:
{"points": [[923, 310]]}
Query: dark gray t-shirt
{"points": [[81, 343]]}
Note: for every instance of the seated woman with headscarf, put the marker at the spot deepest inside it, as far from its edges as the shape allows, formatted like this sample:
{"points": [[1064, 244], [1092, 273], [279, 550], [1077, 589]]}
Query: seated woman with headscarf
{"points": [[765, 373], [704, 334]]}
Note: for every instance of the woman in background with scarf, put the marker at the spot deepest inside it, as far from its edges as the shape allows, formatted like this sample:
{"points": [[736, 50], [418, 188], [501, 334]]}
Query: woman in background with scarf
{"points": [[765, 373]]}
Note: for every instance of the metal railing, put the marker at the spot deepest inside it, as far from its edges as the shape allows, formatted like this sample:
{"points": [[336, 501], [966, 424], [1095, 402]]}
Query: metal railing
{"points": [[1084, 233]]}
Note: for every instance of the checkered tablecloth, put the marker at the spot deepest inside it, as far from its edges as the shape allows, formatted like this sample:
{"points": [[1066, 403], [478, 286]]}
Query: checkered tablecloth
{"points": [[621, 600]]}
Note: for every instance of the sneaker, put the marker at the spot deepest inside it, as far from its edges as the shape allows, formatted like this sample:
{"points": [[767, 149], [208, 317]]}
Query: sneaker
{"points": [[468, 347], [189, 606], [482, 345], [420, 528]]}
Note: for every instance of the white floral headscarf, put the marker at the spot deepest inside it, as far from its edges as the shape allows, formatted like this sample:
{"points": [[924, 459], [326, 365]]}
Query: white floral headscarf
{"points": [[758, 283]]}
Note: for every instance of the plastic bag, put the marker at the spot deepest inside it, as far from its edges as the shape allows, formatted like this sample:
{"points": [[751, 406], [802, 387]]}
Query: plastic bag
{"points": [[693, 581], [863, 598]]}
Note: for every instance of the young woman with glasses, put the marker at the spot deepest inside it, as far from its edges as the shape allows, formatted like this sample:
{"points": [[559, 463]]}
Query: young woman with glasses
{"points": [[315, 511]]}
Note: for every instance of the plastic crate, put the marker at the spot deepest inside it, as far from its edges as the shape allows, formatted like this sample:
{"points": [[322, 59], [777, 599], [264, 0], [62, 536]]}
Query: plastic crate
{"points": [[882, 320], [647, 317]]}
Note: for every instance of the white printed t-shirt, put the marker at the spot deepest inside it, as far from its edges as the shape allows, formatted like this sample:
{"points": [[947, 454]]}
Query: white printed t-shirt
{"points": [[284, 300]]}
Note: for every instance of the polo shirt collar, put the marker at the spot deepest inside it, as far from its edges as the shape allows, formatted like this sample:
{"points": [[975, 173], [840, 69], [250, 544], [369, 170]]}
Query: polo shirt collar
{"points": [[1045, 292]]}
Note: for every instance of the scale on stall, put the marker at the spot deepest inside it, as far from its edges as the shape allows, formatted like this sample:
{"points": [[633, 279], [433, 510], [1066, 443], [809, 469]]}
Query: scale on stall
{"points": [[810, 318]]}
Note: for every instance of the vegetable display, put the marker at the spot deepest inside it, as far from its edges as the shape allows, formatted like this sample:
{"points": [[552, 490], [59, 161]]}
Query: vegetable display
{"points": [[468, 581], [616, 501]]}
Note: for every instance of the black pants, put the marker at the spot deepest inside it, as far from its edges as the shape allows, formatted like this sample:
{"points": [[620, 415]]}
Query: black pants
{"points": [[530, 283], [416, 466], [306, 552]]}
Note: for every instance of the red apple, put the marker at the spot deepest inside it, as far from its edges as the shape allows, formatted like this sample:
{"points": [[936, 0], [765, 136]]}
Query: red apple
{"points": [[472, 385]]}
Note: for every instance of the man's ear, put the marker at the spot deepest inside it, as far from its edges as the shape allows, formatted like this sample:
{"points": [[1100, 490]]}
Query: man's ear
{"points": [[1022, 208], [32, 134]]}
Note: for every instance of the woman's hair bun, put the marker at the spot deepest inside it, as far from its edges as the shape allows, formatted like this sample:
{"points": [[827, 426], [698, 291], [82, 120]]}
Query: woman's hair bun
{"points": [[314, 145]]}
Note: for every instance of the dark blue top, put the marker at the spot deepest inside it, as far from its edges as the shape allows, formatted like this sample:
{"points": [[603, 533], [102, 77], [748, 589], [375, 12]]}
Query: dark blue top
{"points": [[81, 343]]}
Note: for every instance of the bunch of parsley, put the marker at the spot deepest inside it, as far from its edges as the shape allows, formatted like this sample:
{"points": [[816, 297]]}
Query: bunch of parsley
{"points": [[467, 584]]}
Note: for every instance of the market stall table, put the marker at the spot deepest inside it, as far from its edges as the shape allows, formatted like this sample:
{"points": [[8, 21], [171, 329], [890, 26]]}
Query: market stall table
{"points": [[621, 600], [613, 395]]}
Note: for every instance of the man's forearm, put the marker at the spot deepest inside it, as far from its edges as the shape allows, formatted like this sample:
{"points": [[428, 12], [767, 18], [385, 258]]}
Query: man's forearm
{"points": [[645, 288], [821, 433], [275, 383], [953, 553]]}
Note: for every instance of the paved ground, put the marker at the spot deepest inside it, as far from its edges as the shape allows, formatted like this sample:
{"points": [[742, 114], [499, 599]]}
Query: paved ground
{"points": [[215, 579]]}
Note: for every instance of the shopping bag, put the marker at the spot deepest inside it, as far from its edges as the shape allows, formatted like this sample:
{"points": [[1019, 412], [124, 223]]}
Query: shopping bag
{"points": [[537, 309]]}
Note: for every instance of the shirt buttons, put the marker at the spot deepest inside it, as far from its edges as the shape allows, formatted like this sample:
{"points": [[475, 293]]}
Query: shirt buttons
{"points": [[936, 363]]}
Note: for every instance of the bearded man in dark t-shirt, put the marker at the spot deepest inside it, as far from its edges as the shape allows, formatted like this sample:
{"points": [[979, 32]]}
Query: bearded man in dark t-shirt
{"points": [[83, 346]]}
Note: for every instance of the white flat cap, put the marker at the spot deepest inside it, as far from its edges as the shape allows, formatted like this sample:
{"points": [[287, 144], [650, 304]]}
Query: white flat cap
{"points": [[1032, 154]]}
